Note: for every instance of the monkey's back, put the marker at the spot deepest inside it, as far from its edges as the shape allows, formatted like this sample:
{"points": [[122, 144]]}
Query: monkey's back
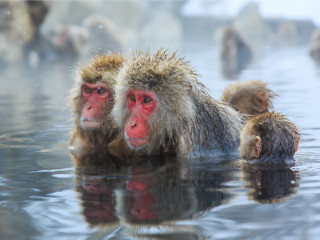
{"points": [[218, 129]]}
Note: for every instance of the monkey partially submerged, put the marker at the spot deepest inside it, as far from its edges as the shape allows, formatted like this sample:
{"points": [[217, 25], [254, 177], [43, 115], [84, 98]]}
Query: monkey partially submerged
{"points": [[93, 100], [269, 137], [249, 97], [160, 106]]}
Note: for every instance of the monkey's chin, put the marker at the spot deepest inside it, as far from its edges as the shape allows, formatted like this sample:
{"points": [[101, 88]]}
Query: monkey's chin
{"points": [[136, 143], [90, 123]]}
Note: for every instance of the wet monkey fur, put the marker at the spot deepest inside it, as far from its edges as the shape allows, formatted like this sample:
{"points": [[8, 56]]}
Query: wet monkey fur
{"points": [[269, 137], [161, 107], [92, 100]]}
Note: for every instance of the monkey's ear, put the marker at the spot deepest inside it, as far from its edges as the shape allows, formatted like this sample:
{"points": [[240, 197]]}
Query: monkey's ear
{"points": [[257, 147], [261, 102], [297, 144]]}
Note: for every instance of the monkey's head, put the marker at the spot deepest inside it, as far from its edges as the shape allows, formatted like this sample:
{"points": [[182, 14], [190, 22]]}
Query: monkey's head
{"points": [[269, 136], [229, 37], [153, 100], [93, 94], [249, 97]]}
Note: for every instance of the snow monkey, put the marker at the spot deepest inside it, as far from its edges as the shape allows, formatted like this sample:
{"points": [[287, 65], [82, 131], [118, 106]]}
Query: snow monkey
{"points": [[161, 107], [93, 100], [269, 137], [249, 97], [235, 53]]}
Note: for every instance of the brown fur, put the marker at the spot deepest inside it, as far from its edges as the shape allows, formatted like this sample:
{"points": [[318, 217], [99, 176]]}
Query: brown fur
{"points": [[279, 137], [102, 68], [187, 120], [249, 97]]}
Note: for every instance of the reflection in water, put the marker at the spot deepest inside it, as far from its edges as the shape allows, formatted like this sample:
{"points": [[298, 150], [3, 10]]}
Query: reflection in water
{"points": [[157, 190], [270, 184]]}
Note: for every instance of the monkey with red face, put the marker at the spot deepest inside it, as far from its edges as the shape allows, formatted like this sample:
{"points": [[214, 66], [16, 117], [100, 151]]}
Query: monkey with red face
{"points": [[93, 100], [161, 107]]}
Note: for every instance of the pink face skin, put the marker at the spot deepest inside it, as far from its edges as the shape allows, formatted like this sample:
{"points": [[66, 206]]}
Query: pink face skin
{"points": [[141, 105], [94, 96]]}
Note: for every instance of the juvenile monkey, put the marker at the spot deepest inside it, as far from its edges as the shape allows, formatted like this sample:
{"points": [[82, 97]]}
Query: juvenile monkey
{"points": [[160, 106], [93, 100], [269, 137], [249, 97]]}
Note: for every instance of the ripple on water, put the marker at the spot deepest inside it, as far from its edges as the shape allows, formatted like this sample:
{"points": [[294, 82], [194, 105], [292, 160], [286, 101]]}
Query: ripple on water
{"points": [[58, 211]]}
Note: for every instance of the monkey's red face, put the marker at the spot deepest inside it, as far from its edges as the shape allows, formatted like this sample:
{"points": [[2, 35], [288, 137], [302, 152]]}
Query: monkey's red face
{"points": [[94, 96], [141, 105]]}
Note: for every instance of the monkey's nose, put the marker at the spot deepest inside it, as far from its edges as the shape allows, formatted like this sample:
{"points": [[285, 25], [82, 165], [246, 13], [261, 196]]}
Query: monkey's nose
{"points": [[132, 124]]}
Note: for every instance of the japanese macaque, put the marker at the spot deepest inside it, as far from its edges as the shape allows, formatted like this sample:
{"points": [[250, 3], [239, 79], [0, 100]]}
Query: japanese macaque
{"points": [[102, 35], [67, 42], [160, 106], [315, 46], [93, 100], [16, 30], [20, 23], [249, 97], [97, 35], [235, 54], [269, 137]]}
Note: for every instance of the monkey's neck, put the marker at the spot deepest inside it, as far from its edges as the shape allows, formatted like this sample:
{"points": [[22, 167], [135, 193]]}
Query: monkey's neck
{"points": [[97, 137]]}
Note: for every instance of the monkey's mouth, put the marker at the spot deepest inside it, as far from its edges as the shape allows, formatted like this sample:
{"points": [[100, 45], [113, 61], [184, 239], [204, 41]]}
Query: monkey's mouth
{"points": [[136, 142], [89, 122]]}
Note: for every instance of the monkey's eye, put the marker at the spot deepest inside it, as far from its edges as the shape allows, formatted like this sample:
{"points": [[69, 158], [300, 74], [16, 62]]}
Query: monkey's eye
{"points": [[87, 90], [101, 91], [147, 100], [132, 98]]}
